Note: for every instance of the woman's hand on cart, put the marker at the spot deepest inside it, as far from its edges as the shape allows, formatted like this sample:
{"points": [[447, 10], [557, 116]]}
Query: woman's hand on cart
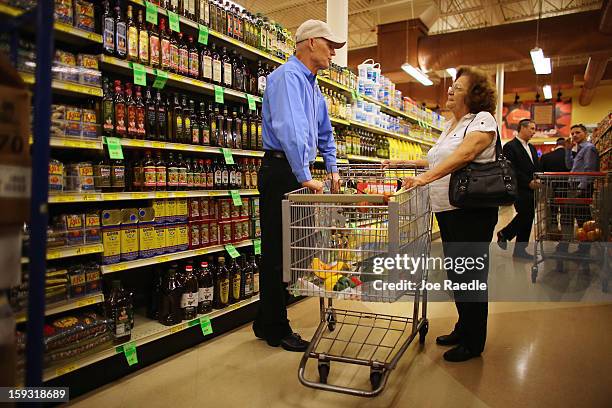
{"points": [[410, 182], [314, 185], [387, 163], [335, 182]]}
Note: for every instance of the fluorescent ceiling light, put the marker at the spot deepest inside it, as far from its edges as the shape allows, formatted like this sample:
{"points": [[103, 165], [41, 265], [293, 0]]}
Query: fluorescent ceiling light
{"points": [[417, 74], [547, 91], [540, 64], [452, 72]]}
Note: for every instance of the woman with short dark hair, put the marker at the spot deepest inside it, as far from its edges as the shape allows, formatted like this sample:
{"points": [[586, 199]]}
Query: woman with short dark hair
{"points": [[469, 137]]}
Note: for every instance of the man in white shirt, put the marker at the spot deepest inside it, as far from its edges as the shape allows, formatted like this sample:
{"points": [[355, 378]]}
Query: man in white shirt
{"points": [[524, 159]]}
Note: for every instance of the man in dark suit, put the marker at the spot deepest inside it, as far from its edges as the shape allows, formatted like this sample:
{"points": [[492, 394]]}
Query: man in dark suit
{"points": [[555, 162], [524, 160]]}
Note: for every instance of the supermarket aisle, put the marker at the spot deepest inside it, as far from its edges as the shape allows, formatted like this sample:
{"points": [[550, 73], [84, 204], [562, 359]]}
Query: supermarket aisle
{"points": [[530, 349]]}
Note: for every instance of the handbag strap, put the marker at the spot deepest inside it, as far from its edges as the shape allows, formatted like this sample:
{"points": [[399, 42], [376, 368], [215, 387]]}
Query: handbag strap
{"points": [[498, 148]]}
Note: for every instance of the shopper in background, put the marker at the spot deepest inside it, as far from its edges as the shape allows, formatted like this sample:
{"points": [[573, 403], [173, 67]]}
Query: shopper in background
{"points": [[586, 160], [524, 160], [295, 124], [555, 162], [468, 137]]}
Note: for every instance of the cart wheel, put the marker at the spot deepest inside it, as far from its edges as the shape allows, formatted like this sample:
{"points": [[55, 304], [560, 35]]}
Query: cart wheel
{"points": [[534, 273], [423, 332], [323, 371], [331, 321], [375, 378]]}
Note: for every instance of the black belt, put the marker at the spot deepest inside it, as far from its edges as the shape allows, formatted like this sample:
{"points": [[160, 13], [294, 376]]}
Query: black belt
{"points": [[275, 154]]}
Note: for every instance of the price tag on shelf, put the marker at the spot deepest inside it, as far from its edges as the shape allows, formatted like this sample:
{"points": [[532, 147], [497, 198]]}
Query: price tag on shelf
{"points": [[354, 94], [257, 246], [218, 94], [174, 21], [236, 197], [202, 34], [129, 350], [160, 79], [178, 328], [205, 325], [66, 369], [110, 197], [140, 75], [231, 250], [151, 16], [227, 155], [88, 302], [251, 100], [113, 144]]}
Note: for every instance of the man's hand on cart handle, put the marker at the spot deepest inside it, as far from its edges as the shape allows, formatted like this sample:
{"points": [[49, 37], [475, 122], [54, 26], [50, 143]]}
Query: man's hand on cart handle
{"points": [[314, 185], [335, 182], [410, 182]]}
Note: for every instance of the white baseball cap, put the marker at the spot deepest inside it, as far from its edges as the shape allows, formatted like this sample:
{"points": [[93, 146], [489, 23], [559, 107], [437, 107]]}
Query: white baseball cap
{"points": [[316, 29]]}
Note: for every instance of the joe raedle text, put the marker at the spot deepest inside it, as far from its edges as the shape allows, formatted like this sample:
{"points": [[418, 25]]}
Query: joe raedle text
{"points": [[474, 285]]}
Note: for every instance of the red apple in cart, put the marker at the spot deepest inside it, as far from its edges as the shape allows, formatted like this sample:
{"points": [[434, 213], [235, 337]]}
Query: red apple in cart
{"points": [[594, 235], [589, 225], [581, 234]]}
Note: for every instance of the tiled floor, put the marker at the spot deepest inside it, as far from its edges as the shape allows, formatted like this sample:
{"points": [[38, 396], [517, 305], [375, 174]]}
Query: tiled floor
{"points": [[545, 354]]}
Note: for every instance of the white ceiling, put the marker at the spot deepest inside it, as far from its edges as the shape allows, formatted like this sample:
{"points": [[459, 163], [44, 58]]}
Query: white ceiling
{"points": [[440, 15]]}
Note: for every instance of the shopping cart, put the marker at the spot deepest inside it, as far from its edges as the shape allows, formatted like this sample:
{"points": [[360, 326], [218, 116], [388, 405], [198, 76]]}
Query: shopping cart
{"points": [[332, 247], [573, 208]]}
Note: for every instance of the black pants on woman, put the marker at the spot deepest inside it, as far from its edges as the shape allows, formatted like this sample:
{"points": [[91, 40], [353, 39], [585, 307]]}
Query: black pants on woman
{"points": [[468, 233]]}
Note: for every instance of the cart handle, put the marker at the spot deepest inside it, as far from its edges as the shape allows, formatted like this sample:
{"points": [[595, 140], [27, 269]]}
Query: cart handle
{"points": [[569, 173]]}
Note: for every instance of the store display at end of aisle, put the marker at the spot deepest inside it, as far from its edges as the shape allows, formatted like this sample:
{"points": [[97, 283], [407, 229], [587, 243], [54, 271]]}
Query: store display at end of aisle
{"points": [[602, 139]]}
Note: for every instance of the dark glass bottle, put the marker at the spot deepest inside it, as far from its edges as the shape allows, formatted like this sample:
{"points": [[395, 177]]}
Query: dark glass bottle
{"points": [[130, 104], [229, 13], [224, 175], [220, 119], [210, 175], [183, 55], [239, 174], [255, 269], [161, 109], [161, 183], [204, 126], [190, 173], [151, 130], [136, 173], [247, 280], [149, 171], [172, 173], [205, 288], [182, 172], [252, 131], [194, 59], [108, 109], [203, 16], [118, 175], [108, 29], [194, 125], [222, 18], [206, 64], [165, 54], [189, 298], [261, 79], [235, 281], [176, 135], [186, 121], [259, 132], [119, 311], [175, 59], [120, 111], [140, 114], [120, 33], [228, 68], [239, 68], [154, 47], [143, 39], [228, 132], [212, 7], [132, 36], [242, 126], [217, 70], [170, 300], [218, 180], [222, 285], [212, 120]]}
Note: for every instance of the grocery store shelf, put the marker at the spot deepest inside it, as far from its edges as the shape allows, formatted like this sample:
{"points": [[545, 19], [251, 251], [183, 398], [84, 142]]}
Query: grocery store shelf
{"points": [[87, 197], [339, 121], [66, 87], [138, 263], [148, 144], [64, 31], [67, 252], [179, 81], [145, 331], [319, 159], [64, 306], [76, 143], [395, 112], [608, 150], [354, 157], [390, 134]]}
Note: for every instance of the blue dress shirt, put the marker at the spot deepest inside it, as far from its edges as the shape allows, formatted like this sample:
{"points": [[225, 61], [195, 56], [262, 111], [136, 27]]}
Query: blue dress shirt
{"points": [[586, 160], [295, 119]]}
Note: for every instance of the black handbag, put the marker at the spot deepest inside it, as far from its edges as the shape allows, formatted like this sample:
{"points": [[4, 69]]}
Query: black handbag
{"points": [[481, 185]]}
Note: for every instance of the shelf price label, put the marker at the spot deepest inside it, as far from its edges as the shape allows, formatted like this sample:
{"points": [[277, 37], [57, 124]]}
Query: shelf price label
{"points": [[113, 144], [219, 94], [140, 75], [232, 251], [151, 16], [236, 197], [202, 34], [129, 350], [174, 21], [257, 246], [251, 100], [205, 325], [160, 79], [227, 155]]}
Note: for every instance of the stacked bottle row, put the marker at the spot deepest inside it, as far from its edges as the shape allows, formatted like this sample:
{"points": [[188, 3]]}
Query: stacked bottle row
{"points": [[177, 118], [201, 286], [337, 104], [159, 47], [361, 143]]}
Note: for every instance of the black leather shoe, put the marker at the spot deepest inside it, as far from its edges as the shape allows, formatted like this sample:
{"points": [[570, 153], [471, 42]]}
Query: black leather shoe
{"points": [[458, 354], [448, 339], [294, 342], [502, 242], [258, 332], [522, 255]]}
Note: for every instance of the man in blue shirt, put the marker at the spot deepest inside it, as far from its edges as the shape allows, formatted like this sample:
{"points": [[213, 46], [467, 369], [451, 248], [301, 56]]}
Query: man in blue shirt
{"points": [[295, 124], [586, 160]]}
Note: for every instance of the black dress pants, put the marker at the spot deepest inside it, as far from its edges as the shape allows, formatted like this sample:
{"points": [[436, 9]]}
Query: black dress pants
{"points": [[468, 233], [275, 179], [520, 226]]}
